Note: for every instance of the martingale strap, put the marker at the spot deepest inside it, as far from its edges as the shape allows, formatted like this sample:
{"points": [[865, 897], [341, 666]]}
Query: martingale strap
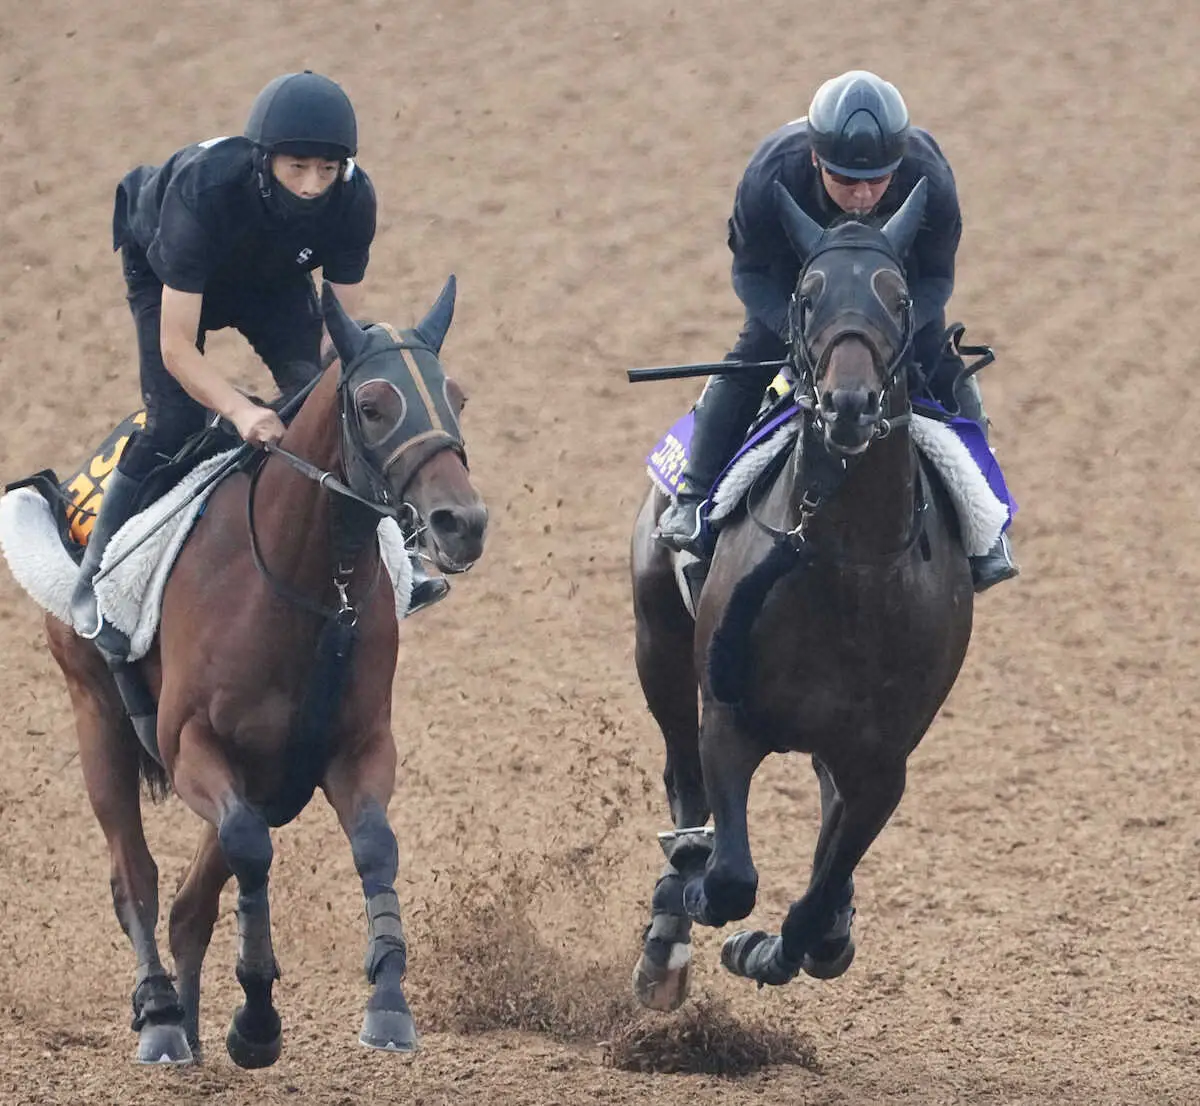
{"points": [[285, 590]]}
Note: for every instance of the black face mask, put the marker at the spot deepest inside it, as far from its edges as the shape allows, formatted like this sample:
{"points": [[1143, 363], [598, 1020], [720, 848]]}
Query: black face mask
{"points": [[290, 206], [282, 203]]}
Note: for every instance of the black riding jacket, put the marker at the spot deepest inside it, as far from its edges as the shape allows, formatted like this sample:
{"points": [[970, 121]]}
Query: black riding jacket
{"points": [[766, 268], [202, 221]]}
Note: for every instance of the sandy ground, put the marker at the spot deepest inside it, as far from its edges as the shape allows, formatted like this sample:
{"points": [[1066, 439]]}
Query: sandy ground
{"points": [[1027, 922]]}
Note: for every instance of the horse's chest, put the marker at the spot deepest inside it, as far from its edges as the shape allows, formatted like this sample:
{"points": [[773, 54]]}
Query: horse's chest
{"points": [[867, 614], [853, 652], [250, 715]]}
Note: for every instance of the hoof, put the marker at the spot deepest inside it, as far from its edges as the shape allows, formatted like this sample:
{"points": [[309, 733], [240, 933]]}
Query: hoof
{"points": [[253, 1051], [389, 1031], [834, 953], [830, 967], [388, 1024], [664, 988], [164, 1044]]}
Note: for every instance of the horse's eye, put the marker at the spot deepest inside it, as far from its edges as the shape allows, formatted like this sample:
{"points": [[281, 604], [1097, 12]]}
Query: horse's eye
{"points": [[370, 412]]}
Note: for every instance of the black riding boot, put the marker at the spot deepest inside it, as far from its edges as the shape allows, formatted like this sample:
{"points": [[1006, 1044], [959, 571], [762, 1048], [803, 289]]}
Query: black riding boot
{"points": [[723, 414], [997, 564], [116, 508], [426, 589]]}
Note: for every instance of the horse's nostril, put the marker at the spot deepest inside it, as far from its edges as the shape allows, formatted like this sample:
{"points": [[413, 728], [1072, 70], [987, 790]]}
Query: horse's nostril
{"points": [[872, 401], [464, 524], [446, 521]]}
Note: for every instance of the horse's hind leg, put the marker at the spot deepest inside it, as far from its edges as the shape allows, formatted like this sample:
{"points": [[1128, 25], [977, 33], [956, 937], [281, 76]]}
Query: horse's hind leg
{"points": [[666, 668], [358, 788], [868, 798], [193, 915], [109, 757], [663, 653], [204, 781]]}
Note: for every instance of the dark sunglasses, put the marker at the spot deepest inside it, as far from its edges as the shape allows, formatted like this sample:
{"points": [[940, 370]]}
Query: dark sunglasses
{"points": [[850, 182]]}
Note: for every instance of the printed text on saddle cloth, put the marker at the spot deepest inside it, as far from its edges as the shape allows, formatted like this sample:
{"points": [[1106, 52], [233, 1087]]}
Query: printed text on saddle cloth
{"points": [[85, 488]]}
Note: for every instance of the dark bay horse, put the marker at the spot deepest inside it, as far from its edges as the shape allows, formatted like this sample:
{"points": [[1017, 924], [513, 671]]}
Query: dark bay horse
{"points": [[273, 673], [833, 621]]}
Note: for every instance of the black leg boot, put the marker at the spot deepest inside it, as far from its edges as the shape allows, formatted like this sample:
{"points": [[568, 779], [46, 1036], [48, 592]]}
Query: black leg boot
{"points": [[426, 589], [117, 507], [997, 564], [723, 414]]}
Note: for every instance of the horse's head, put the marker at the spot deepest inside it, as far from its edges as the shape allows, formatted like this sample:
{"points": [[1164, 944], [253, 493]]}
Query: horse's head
{"points": [[401, 443], [852, 317]]}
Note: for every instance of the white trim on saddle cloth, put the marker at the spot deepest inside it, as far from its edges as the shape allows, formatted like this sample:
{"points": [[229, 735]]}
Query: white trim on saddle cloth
{"points": [[981, 515], [131, 597]]}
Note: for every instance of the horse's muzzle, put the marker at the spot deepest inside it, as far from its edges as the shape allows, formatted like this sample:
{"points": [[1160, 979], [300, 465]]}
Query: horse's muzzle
{"points": [[455, 536], [851, 416]]}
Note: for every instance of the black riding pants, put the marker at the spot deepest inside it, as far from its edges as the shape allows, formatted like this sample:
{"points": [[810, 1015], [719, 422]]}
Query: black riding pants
{"points": [[283, 324]]}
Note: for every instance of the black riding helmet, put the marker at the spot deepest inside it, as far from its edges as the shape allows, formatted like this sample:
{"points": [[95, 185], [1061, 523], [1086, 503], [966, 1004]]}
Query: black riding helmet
{"points": [[858, 125], [306, 115]]}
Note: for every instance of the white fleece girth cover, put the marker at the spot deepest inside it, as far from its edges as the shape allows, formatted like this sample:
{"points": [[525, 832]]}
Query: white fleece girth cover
{"points": [[131, 597], [981, 515]]}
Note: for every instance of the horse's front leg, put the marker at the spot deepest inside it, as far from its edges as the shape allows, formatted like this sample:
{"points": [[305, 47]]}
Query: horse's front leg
{"points": [[358, 787], [205, 782], [730, 755], [812, 935], [834, 952], [108, 754]]}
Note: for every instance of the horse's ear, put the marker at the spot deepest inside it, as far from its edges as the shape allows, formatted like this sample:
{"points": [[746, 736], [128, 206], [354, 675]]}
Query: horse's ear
{"points": [[901, 229], [432, 329], [348, 337], [802, 230]]}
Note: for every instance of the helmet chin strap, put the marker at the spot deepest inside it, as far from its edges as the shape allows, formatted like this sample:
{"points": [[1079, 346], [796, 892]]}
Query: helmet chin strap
{"points": [[262, 165]]}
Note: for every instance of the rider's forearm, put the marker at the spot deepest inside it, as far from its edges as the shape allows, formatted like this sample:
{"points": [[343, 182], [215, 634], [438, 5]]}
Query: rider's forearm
{"points": [[200, 380]]}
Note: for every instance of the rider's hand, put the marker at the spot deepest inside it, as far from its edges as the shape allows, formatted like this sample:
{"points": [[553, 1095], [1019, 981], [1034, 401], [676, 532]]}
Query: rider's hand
{"points": [[257, 425]]}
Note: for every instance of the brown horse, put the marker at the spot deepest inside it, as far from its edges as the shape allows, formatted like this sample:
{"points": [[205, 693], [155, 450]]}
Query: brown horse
{"points": [[273, 674], [833, 621]]}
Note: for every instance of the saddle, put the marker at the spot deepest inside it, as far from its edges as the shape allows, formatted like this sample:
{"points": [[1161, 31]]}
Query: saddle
{"points": [[76, 500]]}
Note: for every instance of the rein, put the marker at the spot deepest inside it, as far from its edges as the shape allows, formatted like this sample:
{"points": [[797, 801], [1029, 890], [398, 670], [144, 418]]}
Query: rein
{"points": [[361, 494], [825, 474], [241, 456], [830, 472], [352, 527]]}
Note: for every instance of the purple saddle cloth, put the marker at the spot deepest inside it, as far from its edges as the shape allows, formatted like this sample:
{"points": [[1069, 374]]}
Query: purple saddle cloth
{"points": [[666, 462]]}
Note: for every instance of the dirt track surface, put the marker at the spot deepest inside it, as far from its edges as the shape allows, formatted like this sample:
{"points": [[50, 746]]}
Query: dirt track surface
{"points": [[1027, 923]]}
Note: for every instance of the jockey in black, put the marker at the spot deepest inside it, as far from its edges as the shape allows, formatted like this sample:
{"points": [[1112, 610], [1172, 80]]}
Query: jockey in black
{"points": [[227, 233], [854, 153]]}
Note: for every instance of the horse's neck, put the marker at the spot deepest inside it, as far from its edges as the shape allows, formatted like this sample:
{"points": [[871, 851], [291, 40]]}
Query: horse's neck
{"points": [[872, 512], [293, 514]]}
